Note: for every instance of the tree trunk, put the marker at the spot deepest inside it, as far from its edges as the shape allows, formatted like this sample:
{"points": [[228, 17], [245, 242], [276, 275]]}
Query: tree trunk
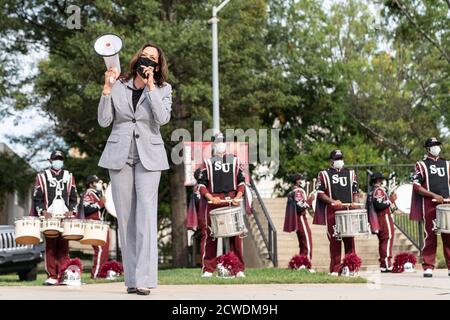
{"points": [[178, 206]]}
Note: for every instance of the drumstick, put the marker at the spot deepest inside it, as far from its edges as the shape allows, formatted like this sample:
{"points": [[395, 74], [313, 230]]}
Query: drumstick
{"points": [[349, 204], [307, 188], [231, 200], [445, 200]]}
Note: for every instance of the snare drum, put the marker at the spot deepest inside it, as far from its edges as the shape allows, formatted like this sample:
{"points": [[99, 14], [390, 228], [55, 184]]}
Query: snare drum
{"points": [[27, 230], [227, 222], [51, 227], [350, 223], [442, 222], [95, 232], [73, 229]]}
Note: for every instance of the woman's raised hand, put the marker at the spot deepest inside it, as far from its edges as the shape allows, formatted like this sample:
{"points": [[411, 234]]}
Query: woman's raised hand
{"points": [[110, 74]]}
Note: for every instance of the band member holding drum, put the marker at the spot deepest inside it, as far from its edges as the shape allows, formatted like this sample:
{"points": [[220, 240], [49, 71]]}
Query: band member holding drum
{"points": [[335, 186], [93, 207], [221, 177], [295, 218], [51, 186], [381, 203], [137, 105], [430, 188]]}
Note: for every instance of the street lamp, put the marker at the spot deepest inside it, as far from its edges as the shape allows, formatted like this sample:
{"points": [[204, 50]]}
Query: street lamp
{"points": [[215, 65]]}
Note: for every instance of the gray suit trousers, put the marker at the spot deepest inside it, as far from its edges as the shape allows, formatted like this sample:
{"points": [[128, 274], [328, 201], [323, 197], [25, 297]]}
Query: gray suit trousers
{"points": [[135, 195]]}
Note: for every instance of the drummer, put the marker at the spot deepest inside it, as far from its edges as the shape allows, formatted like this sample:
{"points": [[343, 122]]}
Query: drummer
{"points": [[381, 203], [221, 177], [335, 186], [49, 184], [93, 206], [430, 188], [295, 214]]}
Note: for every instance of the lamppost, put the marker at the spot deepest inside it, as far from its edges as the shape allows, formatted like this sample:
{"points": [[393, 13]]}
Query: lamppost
{"points": [[215, 65], [215, 83]]}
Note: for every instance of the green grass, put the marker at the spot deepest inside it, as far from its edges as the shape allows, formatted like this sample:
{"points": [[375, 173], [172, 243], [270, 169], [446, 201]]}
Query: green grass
{"points": [[13, 280], [253, 276], [192, 276]]}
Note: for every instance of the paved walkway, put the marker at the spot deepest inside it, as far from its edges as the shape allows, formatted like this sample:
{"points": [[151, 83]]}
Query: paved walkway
{"points": [[382, 286]]}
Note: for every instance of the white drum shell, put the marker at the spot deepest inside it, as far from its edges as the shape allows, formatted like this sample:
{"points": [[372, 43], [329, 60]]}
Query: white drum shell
{"points": [[443, 218], [95, 232], [351, 223], [73, 229], [51, 227], [227, 222], [27, 230]]}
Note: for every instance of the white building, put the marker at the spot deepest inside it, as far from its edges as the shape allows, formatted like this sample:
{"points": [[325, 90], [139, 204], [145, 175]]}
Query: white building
{"points": [[14, 205]]}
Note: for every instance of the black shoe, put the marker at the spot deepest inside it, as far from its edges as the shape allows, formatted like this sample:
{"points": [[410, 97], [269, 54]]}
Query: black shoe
{"points": [[143, 291], [131, 290]]}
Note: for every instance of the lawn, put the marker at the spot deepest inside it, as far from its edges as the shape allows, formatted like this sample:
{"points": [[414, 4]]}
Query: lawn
{"points": [[13, 280], [192, 276], [253, 276]]}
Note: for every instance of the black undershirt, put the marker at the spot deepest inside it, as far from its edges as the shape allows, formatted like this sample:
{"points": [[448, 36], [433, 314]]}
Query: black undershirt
{"points": [[136, 96]]}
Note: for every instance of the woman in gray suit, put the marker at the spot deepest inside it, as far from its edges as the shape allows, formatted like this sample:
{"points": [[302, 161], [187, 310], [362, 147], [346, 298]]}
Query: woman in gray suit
{"points": [[137, 105]]}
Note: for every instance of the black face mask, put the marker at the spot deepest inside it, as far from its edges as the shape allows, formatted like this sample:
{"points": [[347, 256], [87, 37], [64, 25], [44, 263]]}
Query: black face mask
{"points": [[144, 62]]}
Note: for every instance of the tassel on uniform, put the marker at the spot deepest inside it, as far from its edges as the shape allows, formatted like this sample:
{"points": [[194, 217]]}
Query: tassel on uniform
{"points": [[114, 266], [352, 262], [230, 263], [298, 261], [401, 259]]}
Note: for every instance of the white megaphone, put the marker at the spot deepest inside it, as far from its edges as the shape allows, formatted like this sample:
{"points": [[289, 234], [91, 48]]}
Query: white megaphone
{"points": [[108, 46]]}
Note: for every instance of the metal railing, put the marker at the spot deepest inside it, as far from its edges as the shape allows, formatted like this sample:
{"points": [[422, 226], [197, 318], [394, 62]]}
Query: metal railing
{"points": [[265, 224], [413, 230]]}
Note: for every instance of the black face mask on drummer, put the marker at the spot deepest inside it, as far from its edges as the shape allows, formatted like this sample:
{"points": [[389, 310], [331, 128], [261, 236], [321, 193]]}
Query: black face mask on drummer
{"points": [[146, 62]]}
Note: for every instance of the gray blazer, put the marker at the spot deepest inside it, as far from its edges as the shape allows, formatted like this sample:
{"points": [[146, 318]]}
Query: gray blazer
{"points": [[152, 111]]}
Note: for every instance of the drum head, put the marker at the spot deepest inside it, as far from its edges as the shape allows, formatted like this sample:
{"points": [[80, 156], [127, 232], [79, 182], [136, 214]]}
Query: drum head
{"points": [[93, 242], [404, 196], [27, 240], [109, 204]]}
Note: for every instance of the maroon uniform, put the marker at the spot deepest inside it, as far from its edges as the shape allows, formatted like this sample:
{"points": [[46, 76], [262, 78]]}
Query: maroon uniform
{"points": [[295, 220], [433, 175], [338, 185], [221, 177], [48, 185], [385, 234], [92, 206]]}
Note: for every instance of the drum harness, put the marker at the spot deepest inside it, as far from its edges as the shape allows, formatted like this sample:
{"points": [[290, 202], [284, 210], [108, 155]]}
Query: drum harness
{"points": [[58, 203]]}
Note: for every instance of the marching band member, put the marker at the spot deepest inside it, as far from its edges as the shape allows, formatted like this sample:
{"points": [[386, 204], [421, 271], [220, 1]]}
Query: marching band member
{"points": [[93, 205], [51, 184], [335, 186], [295, 218], [431, 182], [221, 177], [194, 216], [381, 202]]}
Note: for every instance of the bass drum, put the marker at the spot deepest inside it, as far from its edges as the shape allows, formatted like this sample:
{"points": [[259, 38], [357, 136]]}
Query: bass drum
{"points": [[404, 197], [109, 204]]}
